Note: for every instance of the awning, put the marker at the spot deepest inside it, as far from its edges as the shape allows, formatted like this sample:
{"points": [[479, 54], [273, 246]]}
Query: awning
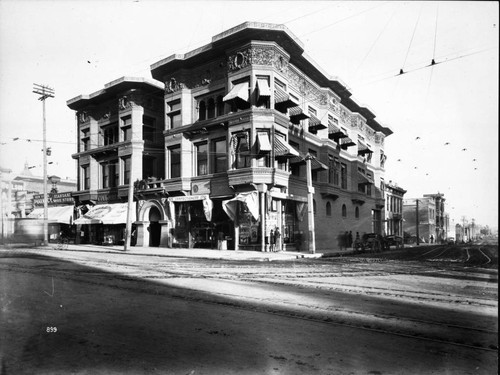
{"points": [[282, 99], [315, 163], [315, 124], [346, 142], [364, 179], [283, 149], [263, 142], [238, 91], [363, 149], [263, 87], [62, 214], [250, 200], [115, 213], [296, 114]]}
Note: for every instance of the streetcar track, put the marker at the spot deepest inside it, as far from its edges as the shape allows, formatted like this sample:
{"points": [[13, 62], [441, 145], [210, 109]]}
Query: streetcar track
{"points": [[69, 275]]}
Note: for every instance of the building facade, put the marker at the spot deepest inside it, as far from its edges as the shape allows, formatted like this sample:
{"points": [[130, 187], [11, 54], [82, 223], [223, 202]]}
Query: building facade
{"points": [[239, 120], [432, 218], [394, 196]]}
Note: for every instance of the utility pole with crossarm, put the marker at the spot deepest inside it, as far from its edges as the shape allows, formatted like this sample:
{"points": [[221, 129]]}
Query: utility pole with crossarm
{"points": [[44, 92]]}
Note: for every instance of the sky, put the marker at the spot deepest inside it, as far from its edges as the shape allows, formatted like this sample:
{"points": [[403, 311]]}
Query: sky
{"points": [[444, 117]]}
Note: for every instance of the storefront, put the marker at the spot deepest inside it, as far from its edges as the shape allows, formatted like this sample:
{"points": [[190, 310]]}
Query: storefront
{"points": [[60, 214], [104, 224]]}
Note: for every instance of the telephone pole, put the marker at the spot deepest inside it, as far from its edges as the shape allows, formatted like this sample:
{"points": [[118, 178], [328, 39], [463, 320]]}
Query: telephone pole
{"points": [[417, 222], [44, 92]]}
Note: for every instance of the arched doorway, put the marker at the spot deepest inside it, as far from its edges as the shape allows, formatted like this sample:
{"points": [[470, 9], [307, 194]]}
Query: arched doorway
{"points": [[154, 226]]}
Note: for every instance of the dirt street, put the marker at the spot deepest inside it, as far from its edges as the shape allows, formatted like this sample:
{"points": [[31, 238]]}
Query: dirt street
{"points": [[91, 313]]}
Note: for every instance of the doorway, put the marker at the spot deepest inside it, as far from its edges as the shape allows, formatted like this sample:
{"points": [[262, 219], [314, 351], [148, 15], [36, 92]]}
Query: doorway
{"points": [[154, 227]]}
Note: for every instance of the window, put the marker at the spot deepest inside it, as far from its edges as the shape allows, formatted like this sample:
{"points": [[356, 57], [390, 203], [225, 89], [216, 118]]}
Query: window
{"points": [[85, 177], [343, 176], [85, 139], [239, 96], [148, 128], [328, 209], [174, 153], [109, 174], [264, 98], [220, 105], [219, 156], [356, 212], [202, 110], [109, 134], [174, 114], [314, 173], [211, 108], [344, 210], [126, 169], [333, 170], [369, 186], [148, 167], [314, 206], [243, 158], [280, 84], [294, 167], [126, 128], [201, 159]]}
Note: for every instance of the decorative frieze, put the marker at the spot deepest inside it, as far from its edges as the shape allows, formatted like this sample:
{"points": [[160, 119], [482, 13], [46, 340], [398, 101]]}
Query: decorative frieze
{"points": [[257, 55], [310, 92], [199, 77]]}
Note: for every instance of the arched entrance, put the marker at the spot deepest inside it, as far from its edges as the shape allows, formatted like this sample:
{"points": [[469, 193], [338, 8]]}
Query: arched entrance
{"points": [[154, 227]]}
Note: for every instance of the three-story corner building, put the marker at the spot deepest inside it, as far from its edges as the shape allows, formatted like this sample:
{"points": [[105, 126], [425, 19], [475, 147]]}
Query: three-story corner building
{"points": [[241, 116], [120, 139]]}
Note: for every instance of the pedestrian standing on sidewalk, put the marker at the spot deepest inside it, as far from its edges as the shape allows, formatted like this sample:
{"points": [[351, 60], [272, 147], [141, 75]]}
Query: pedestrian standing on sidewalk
{"points": [[349, 240], [277, 239], [272, 240]]}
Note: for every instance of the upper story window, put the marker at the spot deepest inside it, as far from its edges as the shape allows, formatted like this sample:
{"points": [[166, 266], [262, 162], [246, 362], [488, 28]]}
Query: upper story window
{"points": [[241, 145], [126, 162], [126, 128], [201, 159], [85, 177], [109, 134], [328, 209], [174, 153], [294, 167], [219, 156], [174, 115], [210, 106], [85, 139], [333, 170], [263, 92], [149, 129], [239, 95], [314, 173], [343, 176], [344, 210], [109, 174]]}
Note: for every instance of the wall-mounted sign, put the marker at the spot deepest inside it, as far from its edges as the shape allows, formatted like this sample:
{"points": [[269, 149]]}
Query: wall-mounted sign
{"points": [[56, 199]]}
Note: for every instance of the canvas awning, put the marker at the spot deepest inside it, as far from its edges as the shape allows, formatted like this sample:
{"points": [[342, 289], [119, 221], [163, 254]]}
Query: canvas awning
{"points": [[363, 149], [115, 213], [62, 214], [315, 124], [364, 179], [250, 200], [263, 87], [283, 150], [316, 165], [335, 133], [282, 99], [346, 142], [296, 114], [239, 91], [263, 142]]}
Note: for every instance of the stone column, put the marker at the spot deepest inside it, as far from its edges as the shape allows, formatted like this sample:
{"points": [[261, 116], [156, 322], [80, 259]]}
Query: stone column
{"points": [[142, 233]]}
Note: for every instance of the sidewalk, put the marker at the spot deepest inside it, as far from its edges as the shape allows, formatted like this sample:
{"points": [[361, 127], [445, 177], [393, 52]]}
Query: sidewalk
{"points": [[181, 253]]}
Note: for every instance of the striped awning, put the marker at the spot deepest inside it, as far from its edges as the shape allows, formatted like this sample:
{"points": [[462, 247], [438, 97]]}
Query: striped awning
{"points": [[263, 87], [364, 179], [283, 150], [296, 114], [346, 142], [263, 142], [282, 99], [239, 91], [363, 149], [315, 163], [315, 124]]}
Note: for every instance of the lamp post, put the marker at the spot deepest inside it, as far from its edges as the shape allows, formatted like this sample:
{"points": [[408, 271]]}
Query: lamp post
{"points": [[417, 224], [44, 92]]}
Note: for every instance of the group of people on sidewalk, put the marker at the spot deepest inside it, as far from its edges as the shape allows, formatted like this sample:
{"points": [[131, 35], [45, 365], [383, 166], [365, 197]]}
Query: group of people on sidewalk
{"points": [[275, 240], [346, 240]]}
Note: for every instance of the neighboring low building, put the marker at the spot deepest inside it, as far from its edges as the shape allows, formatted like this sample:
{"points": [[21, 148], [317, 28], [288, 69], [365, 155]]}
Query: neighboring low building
{"points": [[432, 219], [394, 196]]}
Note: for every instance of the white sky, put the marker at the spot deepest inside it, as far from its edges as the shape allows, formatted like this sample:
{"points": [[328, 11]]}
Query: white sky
{"points": [[76, 47]]}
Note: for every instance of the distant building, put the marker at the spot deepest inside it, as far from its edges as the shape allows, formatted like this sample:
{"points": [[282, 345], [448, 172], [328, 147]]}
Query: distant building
{"points": [[432, 219], [393, 208], [217, 143]]}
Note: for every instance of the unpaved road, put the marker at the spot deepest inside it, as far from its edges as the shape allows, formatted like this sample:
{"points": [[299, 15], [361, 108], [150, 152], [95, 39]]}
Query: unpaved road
{"points": [[390, 313]]}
